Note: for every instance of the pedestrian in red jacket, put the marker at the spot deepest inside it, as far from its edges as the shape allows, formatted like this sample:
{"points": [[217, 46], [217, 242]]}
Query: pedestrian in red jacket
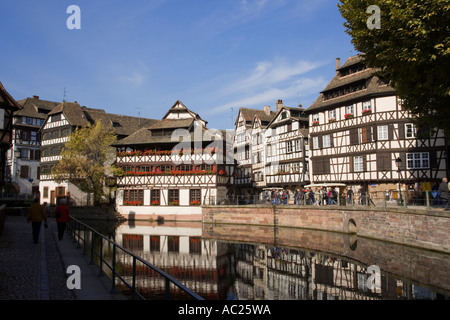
{"points": [[62, 217]]}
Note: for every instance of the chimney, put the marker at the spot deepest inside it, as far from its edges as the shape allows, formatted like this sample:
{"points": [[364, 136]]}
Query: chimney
{"points": [[36, 97], [279, 105], [267, 110], [338, 63]]}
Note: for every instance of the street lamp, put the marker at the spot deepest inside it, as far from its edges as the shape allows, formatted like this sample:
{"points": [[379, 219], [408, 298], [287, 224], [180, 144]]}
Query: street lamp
{"points": [[398, 163]]}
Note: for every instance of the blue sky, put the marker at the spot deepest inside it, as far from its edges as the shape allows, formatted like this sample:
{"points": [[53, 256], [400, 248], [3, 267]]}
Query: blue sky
{"points": [[140, 57]]}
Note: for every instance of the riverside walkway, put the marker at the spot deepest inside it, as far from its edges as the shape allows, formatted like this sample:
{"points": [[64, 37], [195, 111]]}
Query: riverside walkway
{"points": [[31, 271]]}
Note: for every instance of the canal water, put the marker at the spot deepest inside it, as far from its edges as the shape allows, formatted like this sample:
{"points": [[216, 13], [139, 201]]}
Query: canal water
{"points": [[231, 262]]}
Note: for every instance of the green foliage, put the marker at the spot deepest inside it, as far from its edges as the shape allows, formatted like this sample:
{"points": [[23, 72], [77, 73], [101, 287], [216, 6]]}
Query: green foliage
{"points": [[86, 159], [411, 49]]}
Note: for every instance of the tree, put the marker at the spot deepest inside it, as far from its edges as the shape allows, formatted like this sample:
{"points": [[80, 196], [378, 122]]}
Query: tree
{"points": [[410, 48], [86, 159]]}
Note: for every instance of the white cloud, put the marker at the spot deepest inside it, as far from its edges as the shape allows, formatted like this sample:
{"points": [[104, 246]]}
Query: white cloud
{"points": [[267, 74], [301, 86], [135, 79]]}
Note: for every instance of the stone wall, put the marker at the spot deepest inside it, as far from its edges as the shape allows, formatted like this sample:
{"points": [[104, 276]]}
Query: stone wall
{"points": [[419, 228]]}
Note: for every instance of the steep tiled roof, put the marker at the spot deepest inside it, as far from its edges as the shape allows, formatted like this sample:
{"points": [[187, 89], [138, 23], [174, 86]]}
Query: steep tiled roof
{"points": [[373, 86], [249, 114], [144, 137], [35, 108], [6, 101], [172, 123]]}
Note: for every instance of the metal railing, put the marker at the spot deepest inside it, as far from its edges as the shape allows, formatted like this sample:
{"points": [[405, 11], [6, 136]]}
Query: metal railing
{"points": [[127, 271], [391, 198]]}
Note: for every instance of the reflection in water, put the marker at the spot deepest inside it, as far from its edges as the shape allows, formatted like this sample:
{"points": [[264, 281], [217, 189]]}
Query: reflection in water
{"points": [[215, 267]]}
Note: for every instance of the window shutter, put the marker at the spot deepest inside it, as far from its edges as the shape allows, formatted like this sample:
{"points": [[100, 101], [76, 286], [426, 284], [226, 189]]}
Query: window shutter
{"points": [[364, 163], [375, 133], [381, 166], [369, 134], [433, 159], [364, 135], [403, 158], [331, 140], [390, 132], [401, 131], [350, 159], [354, 137], [320, 142]]}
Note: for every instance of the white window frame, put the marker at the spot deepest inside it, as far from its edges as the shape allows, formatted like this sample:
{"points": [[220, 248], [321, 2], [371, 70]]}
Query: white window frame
{"points": [[350, 109], [358, 164], [383, 132], [418, 160], [315, 117], [367, 105], [332, 114], [410, 131], [315, 143], [326, 141], [289, 146]]}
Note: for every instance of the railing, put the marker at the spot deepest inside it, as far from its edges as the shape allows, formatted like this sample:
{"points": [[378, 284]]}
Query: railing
{"points": [[127, 271], [407, 199]]}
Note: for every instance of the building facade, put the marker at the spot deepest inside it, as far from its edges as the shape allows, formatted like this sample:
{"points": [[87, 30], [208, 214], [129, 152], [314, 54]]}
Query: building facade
{"points": [[287, 150], [59, 124], [23, 160], [7, 108], [172, 167], [361, 136], [249, 150]]}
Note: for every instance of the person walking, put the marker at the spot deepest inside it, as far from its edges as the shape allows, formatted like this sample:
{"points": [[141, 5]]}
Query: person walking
{"points": [[36, 214], [445, 193], [62, 217]]}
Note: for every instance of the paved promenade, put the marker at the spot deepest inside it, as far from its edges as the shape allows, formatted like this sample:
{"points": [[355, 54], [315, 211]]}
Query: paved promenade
{"points": [[31, 271]]}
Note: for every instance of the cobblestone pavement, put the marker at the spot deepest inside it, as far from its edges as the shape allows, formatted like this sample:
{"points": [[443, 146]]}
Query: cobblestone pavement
{"points": [[30, 271]]}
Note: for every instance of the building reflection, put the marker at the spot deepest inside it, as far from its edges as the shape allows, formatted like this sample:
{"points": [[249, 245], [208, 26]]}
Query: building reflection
{"points": [[224, 270]]}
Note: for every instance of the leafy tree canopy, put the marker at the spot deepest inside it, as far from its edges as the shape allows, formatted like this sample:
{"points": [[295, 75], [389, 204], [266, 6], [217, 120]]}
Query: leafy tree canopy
{"points": [[411, 49], [86, 159]]}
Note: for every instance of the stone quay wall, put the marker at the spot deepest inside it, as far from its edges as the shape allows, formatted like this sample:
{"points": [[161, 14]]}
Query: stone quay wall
{"points": [[414, 227]]}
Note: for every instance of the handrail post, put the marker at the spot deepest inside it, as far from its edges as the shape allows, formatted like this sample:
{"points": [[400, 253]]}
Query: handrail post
{"points": [[167, 289], [113, 275], [84, 240], [100, 255], [427, 196], [92, 248], [133, 281]]}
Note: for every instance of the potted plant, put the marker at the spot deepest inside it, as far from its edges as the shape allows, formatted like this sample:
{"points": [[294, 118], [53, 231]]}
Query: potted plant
{"points": [[366, 112], [348, 116]]}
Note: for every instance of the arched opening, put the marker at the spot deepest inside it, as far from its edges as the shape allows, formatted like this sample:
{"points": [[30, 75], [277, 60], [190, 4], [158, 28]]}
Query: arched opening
{"points": [[352, 226]]}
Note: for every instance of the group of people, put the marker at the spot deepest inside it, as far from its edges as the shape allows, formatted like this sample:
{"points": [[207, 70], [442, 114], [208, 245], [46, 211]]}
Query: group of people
{"points": [[304, 196], [38, 214], [280, 197]]}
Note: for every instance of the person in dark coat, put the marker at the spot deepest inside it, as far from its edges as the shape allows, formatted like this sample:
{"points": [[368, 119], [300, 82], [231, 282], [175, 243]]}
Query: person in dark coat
{"points": [[445, 193], [62, 217]]}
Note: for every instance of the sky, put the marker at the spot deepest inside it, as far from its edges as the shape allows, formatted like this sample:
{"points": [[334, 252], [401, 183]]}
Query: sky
{"points": [[139, 57]]}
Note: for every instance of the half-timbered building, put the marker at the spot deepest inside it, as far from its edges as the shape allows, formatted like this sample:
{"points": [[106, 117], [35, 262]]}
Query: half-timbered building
{"points": [[250, 131], [7, 108], [172, 167], [23, 160], [64, 119], [287, 149], [361, 136]]}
